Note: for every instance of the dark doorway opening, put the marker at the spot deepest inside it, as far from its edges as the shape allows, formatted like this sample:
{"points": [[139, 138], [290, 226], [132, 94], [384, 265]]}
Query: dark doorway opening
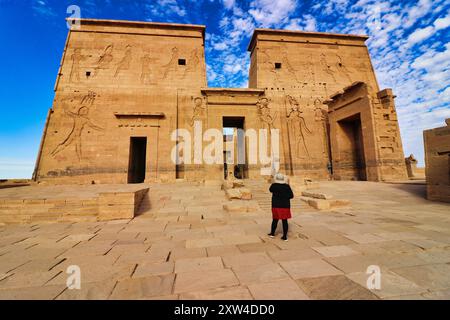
{"points": [[235, 164], [352, 147], [137, 159]]}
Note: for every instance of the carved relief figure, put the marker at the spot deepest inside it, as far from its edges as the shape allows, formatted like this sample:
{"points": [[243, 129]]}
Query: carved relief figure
{"points": [[320, 115], [76, 57], [307, 68], [298, 125], [286, 65], [340, 66], [173, 62], [125, 62], [193, 62], [80, 121], [146, 72], [198, 110], [326, 67], [105, 59], [265, 115], [265, 61]]}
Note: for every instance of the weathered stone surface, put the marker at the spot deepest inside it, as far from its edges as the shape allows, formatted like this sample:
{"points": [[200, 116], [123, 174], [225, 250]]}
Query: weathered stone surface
{"points": [[299, 269], [434, 276], [198, 264], [277, 290], [334, 288], [232, 293], [200, 281], [392, 285], [437, 145], [260, 273], [335, 251], [319, 204], [143, 287], [316, 195], [153, 269]]}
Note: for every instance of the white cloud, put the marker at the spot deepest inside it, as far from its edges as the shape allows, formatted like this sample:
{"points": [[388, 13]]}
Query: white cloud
{"points": [[442, 23], [269, 13], [420, 35], [229, 4]]}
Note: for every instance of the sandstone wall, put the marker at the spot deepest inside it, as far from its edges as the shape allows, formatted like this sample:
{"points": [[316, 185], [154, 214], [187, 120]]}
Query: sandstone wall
{"points": [[116, 81], [437, 162]]}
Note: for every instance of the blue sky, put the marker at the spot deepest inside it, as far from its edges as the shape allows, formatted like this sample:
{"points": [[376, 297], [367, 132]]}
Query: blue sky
{"points": [[409, 45]]}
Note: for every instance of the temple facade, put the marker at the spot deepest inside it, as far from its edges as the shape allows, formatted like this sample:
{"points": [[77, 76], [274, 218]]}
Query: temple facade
{"points": [[132, 105]]}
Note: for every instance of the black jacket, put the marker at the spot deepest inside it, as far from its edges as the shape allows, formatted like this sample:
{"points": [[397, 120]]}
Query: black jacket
{"points": [[281, 195]]}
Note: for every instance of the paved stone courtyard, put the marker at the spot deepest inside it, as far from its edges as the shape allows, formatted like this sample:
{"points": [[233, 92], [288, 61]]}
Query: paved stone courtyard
{"points": [[183, 245]]}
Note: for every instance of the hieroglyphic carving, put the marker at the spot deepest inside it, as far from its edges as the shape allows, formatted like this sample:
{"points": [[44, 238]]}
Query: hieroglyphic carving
{"points": [[198, 110], [80, 121], [298, 126], [105, 59], [125, 62], [76, 57], [172, 64]]}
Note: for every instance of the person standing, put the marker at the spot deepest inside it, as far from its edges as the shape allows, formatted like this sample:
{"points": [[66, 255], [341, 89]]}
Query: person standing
{"points": [[281, 204]]}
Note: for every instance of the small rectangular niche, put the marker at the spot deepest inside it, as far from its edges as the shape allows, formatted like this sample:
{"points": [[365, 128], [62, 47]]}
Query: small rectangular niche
{"points": [[277, 65], [181, 62]]}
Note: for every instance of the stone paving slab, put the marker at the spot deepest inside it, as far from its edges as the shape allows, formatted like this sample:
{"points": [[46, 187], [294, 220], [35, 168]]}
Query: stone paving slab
{"points": [[231, 293], [198, 264], [260, 273], [285, 289], [139, 288], [335, 251], [392, 285], [299, 269], [200, 281], [335, 288]]}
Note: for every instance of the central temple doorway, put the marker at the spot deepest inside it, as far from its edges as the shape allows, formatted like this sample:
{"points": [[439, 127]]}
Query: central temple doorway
{"points": [[234, 154], [137, 159], [352, 147]]}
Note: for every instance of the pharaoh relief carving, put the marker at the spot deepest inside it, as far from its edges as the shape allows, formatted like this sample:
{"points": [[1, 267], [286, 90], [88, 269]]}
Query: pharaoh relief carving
{"points": [[307, 70], [171, 66], [198, 110], [265, 114], [321, 117], [298, 127], [105, 60], [147, 75], [80, 122], [125, 62], [76, 58]]}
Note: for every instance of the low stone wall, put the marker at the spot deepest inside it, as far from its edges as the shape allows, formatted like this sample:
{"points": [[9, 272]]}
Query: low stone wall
{"points": [[105, 206]]}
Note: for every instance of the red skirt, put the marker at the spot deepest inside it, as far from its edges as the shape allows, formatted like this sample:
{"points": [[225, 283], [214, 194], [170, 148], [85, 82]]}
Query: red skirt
{"points": [[281, 213]]}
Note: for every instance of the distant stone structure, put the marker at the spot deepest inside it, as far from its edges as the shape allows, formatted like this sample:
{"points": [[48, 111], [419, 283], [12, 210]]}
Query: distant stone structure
{"points": [[124, 87], [414, 172], [437, 162]]}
